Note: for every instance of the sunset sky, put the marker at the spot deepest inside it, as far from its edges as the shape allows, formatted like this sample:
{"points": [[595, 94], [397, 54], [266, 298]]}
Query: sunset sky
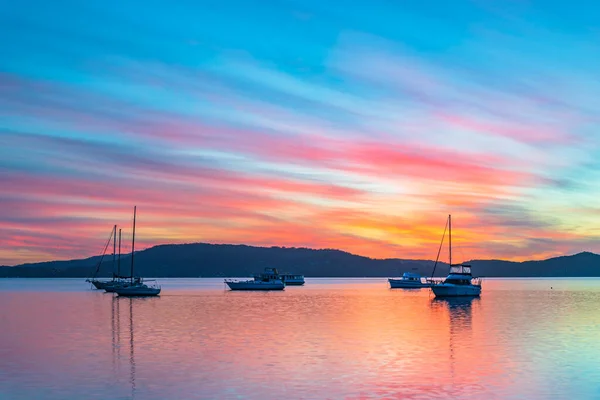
{"points": [[355, 125]]}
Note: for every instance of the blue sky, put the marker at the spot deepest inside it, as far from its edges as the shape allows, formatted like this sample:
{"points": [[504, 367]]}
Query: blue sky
{"points": [[324, 124]]}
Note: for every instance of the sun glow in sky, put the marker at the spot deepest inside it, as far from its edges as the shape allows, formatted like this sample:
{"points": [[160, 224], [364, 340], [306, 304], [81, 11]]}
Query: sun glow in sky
{"points": [[353, 125]]}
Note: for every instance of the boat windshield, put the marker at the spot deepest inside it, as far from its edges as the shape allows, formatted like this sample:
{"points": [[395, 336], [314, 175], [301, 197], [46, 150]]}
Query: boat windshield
{"points": [[458, 281], [460, 269]]}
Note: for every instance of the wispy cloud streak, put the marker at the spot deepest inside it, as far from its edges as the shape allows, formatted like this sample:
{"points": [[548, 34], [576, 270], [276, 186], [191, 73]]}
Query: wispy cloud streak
{"points": [[342, 132]]}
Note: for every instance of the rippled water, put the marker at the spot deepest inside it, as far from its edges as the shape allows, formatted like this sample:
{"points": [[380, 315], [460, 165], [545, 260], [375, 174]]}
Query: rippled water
{"points": [[333, 338]]}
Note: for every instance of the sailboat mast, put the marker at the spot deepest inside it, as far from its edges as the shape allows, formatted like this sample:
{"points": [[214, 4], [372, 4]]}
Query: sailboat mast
{"points": [[450, 237], [119, 262], [114, 248], [440, 249], [133, 243]]}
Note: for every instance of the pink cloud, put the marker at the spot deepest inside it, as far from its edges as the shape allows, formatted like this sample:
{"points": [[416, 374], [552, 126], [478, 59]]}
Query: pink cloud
{"points": [[526, 132]]}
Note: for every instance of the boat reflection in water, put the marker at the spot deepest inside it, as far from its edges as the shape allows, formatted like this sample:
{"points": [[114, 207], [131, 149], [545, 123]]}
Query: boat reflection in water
{"points": [[459, 311], [127, 303], [131, 348]]}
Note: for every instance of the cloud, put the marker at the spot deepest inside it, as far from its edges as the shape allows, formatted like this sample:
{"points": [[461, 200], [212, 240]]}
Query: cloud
{"points": [[364, 142]]}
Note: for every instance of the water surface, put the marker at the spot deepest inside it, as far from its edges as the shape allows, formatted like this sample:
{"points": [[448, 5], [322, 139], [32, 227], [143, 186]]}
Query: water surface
{"points": [[333, 338]]}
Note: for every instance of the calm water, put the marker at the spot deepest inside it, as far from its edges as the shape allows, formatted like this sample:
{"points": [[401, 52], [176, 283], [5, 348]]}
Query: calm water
{"points": [[333, 338]]}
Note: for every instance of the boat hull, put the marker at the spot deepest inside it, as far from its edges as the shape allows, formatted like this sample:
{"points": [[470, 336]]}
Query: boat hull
{"points": [[294, 282], [111, 287], [136, 291], [99, 284], [404, 284], [253, 285], [443, 290]]}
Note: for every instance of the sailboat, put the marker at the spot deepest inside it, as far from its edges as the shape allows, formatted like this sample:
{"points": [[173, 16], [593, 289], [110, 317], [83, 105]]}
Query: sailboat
{"points": [[459, 281], [119, 280], [136, 287], [101, 284]]}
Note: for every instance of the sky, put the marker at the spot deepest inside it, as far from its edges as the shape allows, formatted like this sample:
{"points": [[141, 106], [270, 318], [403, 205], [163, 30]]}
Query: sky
{"points": [[351, 125]]}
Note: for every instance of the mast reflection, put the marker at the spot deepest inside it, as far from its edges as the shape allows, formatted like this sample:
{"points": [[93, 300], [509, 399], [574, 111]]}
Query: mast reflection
{"points": [[460, 315], [116, 341], [131, 348]]}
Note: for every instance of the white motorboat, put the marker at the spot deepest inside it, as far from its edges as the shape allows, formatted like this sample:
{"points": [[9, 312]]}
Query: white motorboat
{"points": [[292, 280], [266, 284], [409, 280], [287, 278], [459, 281]]}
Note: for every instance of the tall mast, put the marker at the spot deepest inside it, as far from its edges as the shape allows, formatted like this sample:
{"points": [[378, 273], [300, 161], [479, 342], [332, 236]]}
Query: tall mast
{"points": [[133, 243], [114, 248], [450, 237], [119, 262], [440, 249]]}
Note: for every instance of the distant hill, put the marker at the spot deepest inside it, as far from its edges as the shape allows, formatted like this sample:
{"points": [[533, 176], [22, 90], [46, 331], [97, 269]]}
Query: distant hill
{"points": [[223, 260]]}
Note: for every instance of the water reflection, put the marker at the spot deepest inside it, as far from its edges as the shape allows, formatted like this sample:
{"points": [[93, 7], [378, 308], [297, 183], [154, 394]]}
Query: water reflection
{"points": [[115, 330], [131, 348], [459, 311], [335, 340], [116, 338]]}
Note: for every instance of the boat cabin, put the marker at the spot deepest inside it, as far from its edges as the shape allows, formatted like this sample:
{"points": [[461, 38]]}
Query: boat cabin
{"points": [[268, 275], [460, 274], [410, 276]]}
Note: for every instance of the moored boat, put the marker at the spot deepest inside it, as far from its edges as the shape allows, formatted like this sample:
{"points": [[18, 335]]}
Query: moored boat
{"points": [[266, 284], [136, 286], [98, 283], [140, 289], [409, 280], [292, 279], [287, 278], [120, 282], [460, 281]]}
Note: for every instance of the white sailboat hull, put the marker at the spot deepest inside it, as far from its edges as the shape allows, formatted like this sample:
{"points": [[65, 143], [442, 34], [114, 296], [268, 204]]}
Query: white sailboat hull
{"points": [[142, 290]]}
